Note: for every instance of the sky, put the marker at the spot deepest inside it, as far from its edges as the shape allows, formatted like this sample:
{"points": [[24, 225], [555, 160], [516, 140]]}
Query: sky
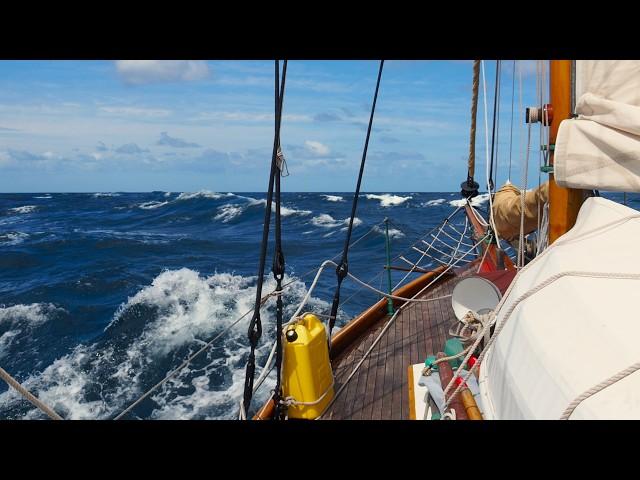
{"points": [[188, 125]]}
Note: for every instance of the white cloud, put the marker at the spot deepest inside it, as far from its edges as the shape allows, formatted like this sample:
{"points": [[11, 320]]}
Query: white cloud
{"points": [[250, 117], [316, 148], [140, 72], [136, 111]]}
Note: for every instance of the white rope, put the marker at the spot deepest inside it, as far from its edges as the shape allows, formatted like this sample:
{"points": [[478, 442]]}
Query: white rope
{"points": [[29, 396], [292, 401], [597, 388], [488, 161], [521, 298], [523, 191]]}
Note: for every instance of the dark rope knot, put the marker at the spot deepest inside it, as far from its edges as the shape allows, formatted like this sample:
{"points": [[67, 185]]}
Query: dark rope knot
{"points": [[255, 329], [278, 265], [341, 270]]}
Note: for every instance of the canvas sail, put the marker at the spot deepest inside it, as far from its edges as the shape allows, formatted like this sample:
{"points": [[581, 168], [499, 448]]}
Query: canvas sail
{"points": [[600, 148], [575, 332]]}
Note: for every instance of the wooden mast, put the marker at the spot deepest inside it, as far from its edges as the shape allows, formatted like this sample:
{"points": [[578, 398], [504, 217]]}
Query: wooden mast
{"points": [[564, 203]]}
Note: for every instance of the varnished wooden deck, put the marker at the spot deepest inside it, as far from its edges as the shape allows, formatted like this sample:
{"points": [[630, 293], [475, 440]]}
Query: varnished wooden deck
{"points": [[379, 389]]}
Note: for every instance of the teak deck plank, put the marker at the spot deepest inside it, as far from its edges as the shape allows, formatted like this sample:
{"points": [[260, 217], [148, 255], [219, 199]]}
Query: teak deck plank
{"points": [[379, 389]]}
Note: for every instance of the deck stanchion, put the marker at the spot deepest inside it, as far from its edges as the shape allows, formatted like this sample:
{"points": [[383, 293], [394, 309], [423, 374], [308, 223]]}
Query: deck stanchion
{"points": [[388, 248]]}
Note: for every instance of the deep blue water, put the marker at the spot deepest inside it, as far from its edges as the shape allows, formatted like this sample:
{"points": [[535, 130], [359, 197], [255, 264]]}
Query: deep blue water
{"points": [[102, 294]]}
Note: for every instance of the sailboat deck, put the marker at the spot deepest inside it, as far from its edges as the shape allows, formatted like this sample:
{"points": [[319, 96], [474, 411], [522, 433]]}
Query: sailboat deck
{"points": [[379, 389]]}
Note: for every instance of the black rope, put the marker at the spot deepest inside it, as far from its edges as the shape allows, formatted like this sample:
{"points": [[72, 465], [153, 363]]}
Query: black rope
{"points": [[495, 116], [278, 261], [255, 325], [343, 267]]}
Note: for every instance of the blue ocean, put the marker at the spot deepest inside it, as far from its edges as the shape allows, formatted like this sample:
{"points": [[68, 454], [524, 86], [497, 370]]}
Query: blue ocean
{"points": [[103, 294]]}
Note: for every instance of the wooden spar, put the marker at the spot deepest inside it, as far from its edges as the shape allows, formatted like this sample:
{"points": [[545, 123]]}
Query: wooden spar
{"points": [[469, 403], [360, 324], [446, 374], [564, 203]]}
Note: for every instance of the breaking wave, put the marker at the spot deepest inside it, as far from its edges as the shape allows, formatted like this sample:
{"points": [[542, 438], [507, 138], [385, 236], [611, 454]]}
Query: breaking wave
{"points": [[388, 200], [333, 198], [13, 238], [433, 203], [475, 201], [24, 209], [151, 205], [203, 194], [327, 221], [18, 322], [393, 232], [157, 327]]}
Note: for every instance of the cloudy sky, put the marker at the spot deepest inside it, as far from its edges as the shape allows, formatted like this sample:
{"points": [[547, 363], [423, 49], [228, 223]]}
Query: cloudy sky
{"points": [[189, 125]]}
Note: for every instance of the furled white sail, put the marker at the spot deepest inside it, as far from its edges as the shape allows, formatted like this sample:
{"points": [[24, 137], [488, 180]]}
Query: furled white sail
{"points": [[577, 331], [601, 147]]}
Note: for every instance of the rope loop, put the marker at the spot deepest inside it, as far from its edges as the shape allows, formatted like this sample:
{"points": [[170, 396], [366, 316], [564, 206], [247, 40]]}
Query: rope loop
{"points": [[255, 329]]}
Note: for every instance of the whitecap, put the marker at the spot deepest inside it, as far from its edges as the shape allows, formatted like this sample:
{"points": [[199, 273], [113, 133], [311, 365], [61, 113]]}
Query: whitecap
{"points": [[203, 194], [433, 203], [285, 211], [45, 197], [106, 194], [228, 212], [388, 200], [325, 220], [151, 205], [333, 198], [393, 232], [22, 319], [475, 201], [24, 209], [13, 238]]}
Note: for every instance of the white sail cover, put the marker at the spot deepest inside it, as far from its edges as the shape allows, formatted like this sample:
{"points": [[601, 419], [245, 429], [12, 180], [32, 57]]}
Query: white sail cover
{"points": [[601, 148], [575, 332]]}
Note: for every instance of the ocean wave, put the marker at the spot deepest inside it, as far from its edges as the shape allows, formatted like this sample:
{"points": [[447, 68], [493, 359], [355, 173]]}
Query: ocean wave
{"points": [[105, 194], [325, 220], [13, 238], [333, 198], [203, 194], [388, 200], [393, 232], [285, 211], [433, 203], [228, 212], [49, 197], [475, 201], [24, 209], [151, 205], [17, 322], [160, 325]]}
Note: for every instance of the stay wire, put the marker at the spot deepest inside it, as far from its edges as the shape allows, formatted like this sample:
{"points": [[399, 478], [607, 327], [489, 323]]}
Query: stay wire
{"points": [[255, 326], [343, 266], [278, 268], [493, 131]]}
